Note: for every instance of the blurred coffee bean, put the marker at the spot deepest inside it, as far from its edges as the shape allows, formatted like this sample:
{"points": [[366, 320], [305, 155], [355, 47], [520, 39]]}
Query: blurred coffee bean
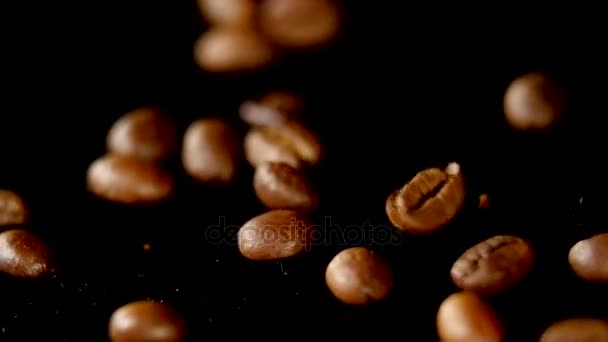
{"points": [[144, 134], [577, 329], [237, 13], [277, 234], [493, 266], [274, 108], [13, 210], [147, 321], [25, 255], [464, 317], [484, 201], [534, 101], [127, 180], [357, 276], [589, 258], [211, 151], [280, 186], [427, 202]]}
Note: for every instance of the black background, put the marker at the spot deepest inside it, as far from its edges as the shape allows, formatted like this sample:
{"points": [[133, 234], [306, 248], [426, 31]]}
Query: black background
{"points": [[402, 90]]}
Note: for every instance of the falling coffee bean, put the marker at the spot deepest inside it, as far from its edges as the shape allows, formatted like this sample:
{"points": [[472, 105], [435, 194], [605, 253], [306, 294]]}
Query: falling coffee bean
{"points": [[429, 201], [280, 186], [277, 234], [13, 210], [484, 201], [357, 276], [577, 329], [25, 255], [237, 13], [589, 258], [274, 108], [147, 321], [493, 266]]}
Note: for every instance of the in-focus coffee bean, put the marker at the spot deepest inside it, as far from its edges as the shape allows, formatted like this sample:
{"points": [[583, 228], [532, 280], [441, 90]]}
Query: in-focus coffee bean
{"points": [[211, 151], [128, 180], [276, 107], [13, 210], [534, 101], [464, 317], [277, 234], [494, 265], [239, 13], [144, 134], [25, 255], [589, 258], [280, 186], [358, 276], [147, 321], [577, 330], [427, 202]]}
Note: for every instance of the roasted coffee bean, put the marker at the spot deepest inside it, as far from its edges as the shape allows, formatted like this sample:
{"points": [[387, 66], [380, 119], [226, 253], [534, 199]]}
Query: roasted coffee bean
{"points": [[429, 201], [144, 134], [589, 258], [464, 317], [300, 24], [229, 49], [357, 276], [274, 108], [534, 101], [211, 151], [494, 265], [128, 180], [577, 330], [290, 143], [277, 234], [13, 210], [280, 186], [240, 13], [484, 201], [25, 255], [147, 321]]}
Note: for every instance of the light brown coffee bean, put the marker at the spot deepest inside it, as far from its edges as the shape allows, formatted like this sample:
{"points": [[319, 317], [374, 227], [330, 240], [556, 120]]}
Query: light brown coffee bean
{"points": [[494, 265], [429, 201], [147, 321], [575, 330], [464, 317], [23, 254], [127, 180], [274, 108], [277, 234], [144, 134], [534, 101], [589, 258], [280, 186], [239, 13], [357, 276], [13, 210], [211, 151]]}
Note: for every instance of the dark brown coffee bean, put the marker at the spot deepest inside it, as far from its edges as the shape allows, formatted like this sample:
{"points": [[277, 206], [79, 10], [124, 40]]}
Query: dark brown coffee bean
{"points": [[277, 234], [357, 276], [494, 265], [13, 210], [25, 255], [290, 143], [429, 201], [464, 317], [274, 108], [239, 13], [589, 258], [280, 186], [534, 101], [577, 330], [144, 133], [147, 321], [211, 151], [484, 201], [128, 181]]}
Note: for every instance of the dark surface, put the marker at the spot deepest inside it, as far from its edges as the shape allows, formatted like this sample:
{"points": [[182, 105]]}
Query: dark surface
{"points": [[401, 91]]}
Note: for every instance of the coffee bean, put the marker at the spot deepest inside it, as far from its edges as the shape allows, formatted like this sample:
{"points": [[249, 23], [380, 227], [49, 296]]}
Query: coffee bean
{"points": [[290, 143], [144, 133], [239, 13], [534, 101], [211, 151], [13, 210], [128, 180], [357, 276], [276, 107], [589, 258], [429, 201], [25, 255], [484, 201], [493, 266], [577, 329], [464, 317], [280, 186], [147, 321], [277, 234]]}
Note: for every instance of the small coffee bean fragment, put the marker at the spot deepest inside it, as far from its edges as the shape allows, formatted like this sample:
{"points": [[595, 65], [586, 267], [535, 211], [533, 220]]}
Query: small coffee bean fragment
{"points": [[274, 108], [589, 258], [277, 234], [484, 201], [13, 210], [147, 321], [357, 276], [493, 266], [429, 201], [128, 181], [280, 186], [23, 254], [464, 317], [575, 330], [238, 13]]}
